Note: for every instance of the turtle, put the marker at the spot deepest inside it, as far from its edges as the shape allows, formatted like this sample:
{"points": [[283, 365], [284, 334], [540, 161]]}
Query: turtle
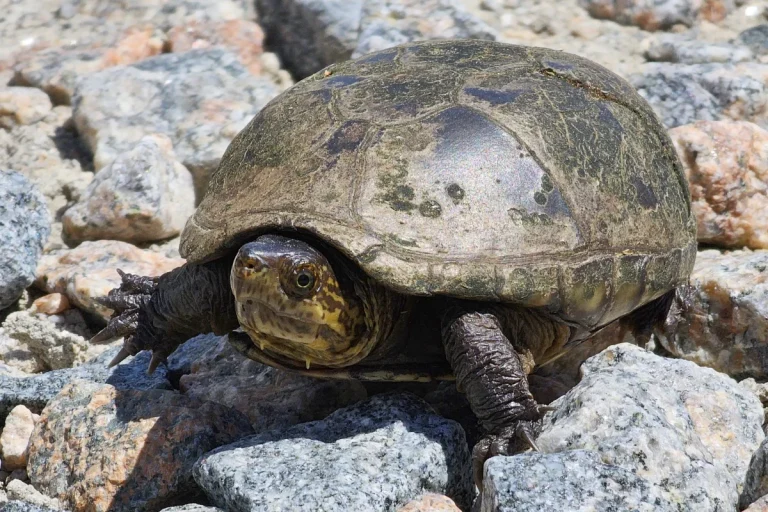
{"points": [[446, 210]]}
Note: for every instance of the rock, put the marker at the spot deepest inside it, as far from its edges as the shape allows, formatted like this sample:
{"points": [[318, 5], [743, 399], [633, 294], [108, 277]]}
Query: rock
{"points": [[23, 506], [270, 398], [14, 440], [89, 271], [17, 474], [97, 448], [375, 455], [756, 484], [674, 49], [756, 38], [144, 195], [388, 23], [201, 99], [25, 104], [36, 391], [760, 505], [56, 341], [683, 93], [24, 228], [656, 15], [430, 502], [18, 490], [758, 388], [192, 508], [726, 163], [687, 431], [17, 357], [51, 304], [722, 320], [570, 480]]}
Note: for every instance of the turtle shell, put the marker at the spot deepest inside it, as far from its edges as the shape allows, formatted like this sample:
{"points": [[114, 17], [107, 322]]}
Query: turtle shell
{"points": [[466, 168]]}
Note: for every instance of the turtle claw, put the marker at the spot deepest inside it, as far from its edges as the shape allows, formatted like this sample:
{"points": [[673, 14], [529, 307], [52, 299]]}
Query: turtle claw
{"points": [[157, 360], [517, 437], [122, 355]]}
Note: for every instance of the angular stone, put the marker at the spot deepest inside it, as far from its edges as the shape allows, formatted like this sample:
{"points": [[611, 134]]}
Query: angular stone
{"points": [[655, 14], [51, 304], [430, 502], [89, 271], [18, 490], [270, 398], [17, 357], [144, 195], [756, 38], [722, 320], [726, 163], [23, 506], [97, 448], [192, 508], [375, 455], [756, 484], [686, 430], [24, 228], [570, 480], [683, 93], [675, 49], [14, 439], [27, 105], [200, 99], [760, 505]]}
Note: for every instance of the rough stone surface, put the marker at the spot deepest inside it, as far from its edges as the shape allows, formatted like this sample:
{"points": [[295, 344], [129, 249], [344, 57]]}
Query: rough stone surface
{"points": [[722, 321], [726, 163], [23, 506], [684, 93], [686, 430], [18, 490], [270, 398], [25, 104], [686, 51], [571, 480], [17, 356], [200, 99], [375, 455], [88, 271], [430, 502], [51, 304], [14, 439], [760, 505], [24, 228], [756, 484], [756, 38], [97, 448], [655, 14], [192, 508], [144, 195]]}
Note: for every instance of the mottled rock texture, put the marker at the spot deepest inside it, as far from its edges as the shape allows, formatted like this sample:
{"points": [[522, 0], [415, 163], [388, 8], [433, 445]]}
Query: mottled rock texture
{"points": [[726, 163], [659, 14], [23, 506], [375, 455], [25, 105], [756, 485], [100, 449], [14, 439], [430, 502], [144, 195], [22, 491], [24, 228]]}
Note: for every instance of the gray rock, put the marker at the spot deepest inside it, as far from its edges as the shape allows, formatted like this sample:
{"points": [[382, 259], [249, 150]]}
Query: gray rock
{"points": [[683, 93], [18, 490], [144, 195], [200, 99], [572, 480], [687, 430], [37, 390], [375, 455], [675, 49], [192, 508], [24, 229], [658, 14], [23, 506], [756, 484], [756, 38], [722, 320]]}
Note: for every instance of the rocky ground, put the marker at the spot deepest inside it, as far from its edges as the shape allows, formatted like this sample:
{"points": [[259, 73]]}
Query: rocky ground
{"points": [[98, 92]]}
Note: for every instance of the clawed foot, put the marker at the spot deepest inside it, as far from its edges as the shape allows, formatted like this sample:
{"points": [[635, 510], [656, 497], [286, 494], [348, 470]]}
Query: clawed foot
{"points": [[126, 302], [514, 438]]}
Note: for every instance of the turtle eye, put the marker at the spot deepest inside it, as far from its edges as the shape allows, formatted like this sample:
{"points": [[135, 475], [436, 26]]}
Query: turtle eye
{"points": [[300, 282], [305, 279]]}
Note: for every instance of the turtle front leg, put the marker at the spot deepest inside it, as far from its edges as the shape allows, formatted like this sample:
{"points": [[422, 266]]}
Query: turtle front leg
{"points": [[491, 374], [160, 313]]}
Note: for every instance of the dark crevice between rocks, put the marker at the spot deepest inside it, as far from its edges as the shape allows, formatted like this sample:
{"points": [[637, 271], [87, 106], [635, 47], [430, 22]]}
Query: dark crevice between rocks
{"points": [[72, 147]]}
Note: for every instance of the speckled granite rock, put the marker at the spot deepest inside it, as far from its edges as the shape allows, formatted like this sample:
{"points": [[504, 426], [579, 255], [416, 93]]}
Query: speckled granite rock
{"points": [[51, 304], [88, 271], [16, 355], [375, 455], [192, 508], [97, 448], [25, 105], [200, 99], [723, 321], [756, 484], [655, 14], [756, 38], [726, 163], [35, 391], [14, 439], [144, 195], [673, 48], [430, 502], [23, 506], [270, 398], [22, 491], [761, 505], [571, 480], [686, 430], [24, 228], [683, 93]]}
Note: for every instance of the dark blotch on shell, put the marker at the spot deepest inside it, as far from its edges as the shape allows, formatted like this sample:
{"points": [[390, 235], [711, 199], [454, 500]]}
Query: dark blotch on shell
{"points": [[455, 192], [430, 208]]}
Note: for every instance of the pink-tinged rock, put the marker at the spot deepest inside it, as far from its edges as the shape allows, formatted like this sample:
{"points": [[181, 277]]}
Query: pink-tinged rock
{"points": [[245, 38], [51, 304], [25, 104], [655, 14], [430, 502], [726, 163], [98, 449], [760, 505], [89, 271], [14, 440], [144, 195]]}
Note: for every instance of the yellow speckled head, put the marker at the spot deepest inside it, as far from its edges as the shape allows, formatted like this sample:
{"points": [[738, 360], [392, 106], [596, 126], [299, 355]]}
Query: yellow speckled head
{"points": [[290, 303]]}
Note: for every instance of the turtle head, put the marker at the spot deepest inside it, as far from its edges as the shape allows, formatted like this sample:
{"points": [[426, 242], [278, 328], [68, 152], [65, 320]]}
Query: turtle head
{"points": [[291, 303]]}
